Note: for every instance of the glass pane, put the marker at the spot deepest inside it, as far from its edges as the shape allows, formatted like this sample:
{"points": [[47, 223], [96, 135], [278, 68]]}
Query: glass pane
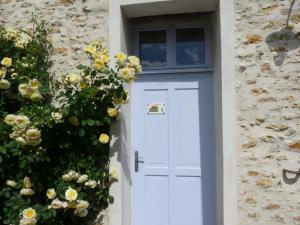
{"points": [[190, 49], [153, 48]]}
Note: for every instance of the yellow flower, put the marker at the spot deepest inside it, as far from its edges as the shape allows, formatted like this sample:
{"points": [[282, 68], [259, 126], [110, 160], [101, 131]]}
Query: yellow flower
{"points": [[22, 121], [26, 192], [120, 57], [51, 193], [82, 205], [34, 84], [21, 141], [105, 58], [2, 73], [104, 138], [99, 64], [33, 134], [24, 221], [83, 178], [57, 117], [67, 177], [29, 213], [90, 49], [34, 142], [57, 204], [4, 84], [127, 74], [27, 183], [114, 173], [112, 112], [10, 119], [139, 69], [6, 61], [133, 61], [81, 213], [74, 121], [91, 184], [73, 78], [36, 96], [25, 90], [71, 194], [11, 183]]}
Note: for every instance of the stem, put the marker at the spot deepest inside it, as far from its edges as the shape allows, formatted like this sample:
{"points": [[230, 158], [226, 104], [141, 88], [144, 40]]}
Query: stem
{"points": [[289, 14]]}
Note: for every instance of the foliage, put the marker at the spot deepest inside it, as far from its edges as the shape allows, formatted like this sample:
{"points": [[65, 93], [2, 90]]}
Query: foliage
{"points": [[54, 134]]}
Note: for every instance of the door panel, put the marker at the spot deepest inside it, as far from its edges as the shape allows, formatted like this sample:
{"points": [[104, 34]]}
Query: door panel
{"points": [[169, 187]]}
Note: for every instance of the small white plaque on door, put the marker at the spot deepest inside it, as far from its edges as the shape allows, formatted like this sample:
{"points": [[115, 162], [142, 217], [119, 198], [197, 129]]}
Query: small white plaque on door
{"points": [[156, 108]]}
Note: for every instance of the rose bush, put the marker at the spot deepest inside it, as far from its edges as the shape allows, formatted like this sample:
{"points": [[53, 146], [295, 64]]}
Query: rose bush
{"points": [[54, 133]]}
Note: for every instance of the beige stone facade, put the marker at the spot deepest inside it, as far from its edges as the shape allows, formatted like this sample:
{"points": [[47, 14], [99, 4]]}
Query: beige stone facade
{"points": [[267, 90]]}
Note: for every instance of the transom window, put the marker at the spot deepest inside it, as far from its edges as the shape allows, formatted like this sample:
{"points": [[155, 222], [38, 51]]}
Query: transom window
{"points": [[172, 48]]}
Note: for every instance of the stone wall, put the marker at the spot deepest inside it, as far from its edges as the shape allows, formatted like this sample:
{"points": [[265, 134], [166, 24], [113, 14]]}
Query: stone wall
{"points": [[268, 110], [74, 22], [267, 87]]}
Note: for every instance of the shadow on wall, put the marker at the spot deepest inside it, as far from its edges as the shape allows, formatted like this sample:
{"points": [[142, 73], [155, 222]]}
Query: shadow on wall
{"points": [[283, 40]]}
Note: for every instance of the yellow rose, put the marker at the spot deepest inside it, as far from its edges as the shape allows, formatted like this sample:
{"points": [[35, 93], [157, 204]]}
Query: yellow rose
{"points": [[112, 112], [81, 213], [127, 74], [26, 192], [104, 138], [133, 61], [120, 57], [24, 221], [34, 142], [11, 183], [99, 64], [21, 141], [73, 78], [81, 204], [36, 96], [51, 193], [4, 84], [10, 119], [22, 121], [27, 183], [34, 84], [67, 178], [25, 90], [74, 121], [57, 204], [90, 49], [114, 173], [33, 134], [71, 194], [2, 73], [139, 69], [29, 213], [91, 184], [6, 61], [57, 117], [105, 58], [83, 178]]}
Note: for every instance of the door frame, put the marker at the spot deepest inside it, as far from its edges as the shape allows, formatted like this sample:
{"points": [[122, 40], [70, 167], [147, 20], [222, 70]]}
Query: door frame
{"points": [[224, 91]]}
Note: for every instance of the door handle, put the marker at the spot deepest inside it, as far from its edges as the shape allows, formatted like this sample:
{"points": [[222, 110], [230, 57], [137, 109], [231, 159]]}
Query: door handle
{"points": [[137, 161]]}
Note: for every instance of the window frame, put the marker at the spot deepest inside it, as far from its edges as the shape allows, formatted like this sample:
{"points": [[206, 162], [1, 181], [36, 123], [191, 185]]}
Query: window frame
{"points": [[170, 29]]}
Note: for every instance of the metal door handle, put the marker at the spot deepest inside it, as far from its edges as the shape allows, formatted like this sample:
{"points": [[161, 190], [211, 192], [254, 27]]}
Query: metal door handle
{"points": [[137, 161]]}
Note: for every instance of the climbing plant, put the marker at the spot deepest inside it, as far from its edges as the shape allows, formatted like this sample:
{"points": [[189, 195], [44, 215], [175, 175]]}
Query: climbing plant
{"points": [[54, 133]]}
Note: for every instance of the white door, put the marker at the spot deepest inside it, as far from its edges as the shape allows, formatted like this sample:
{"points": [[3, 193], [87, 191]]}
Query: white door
{"points": [[174, 154]]}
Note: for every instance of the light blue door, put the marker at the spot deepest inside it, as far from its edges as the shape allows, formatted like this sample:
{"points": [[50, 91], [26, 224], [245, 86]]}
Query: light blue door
{"points": [[172, 139]]}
